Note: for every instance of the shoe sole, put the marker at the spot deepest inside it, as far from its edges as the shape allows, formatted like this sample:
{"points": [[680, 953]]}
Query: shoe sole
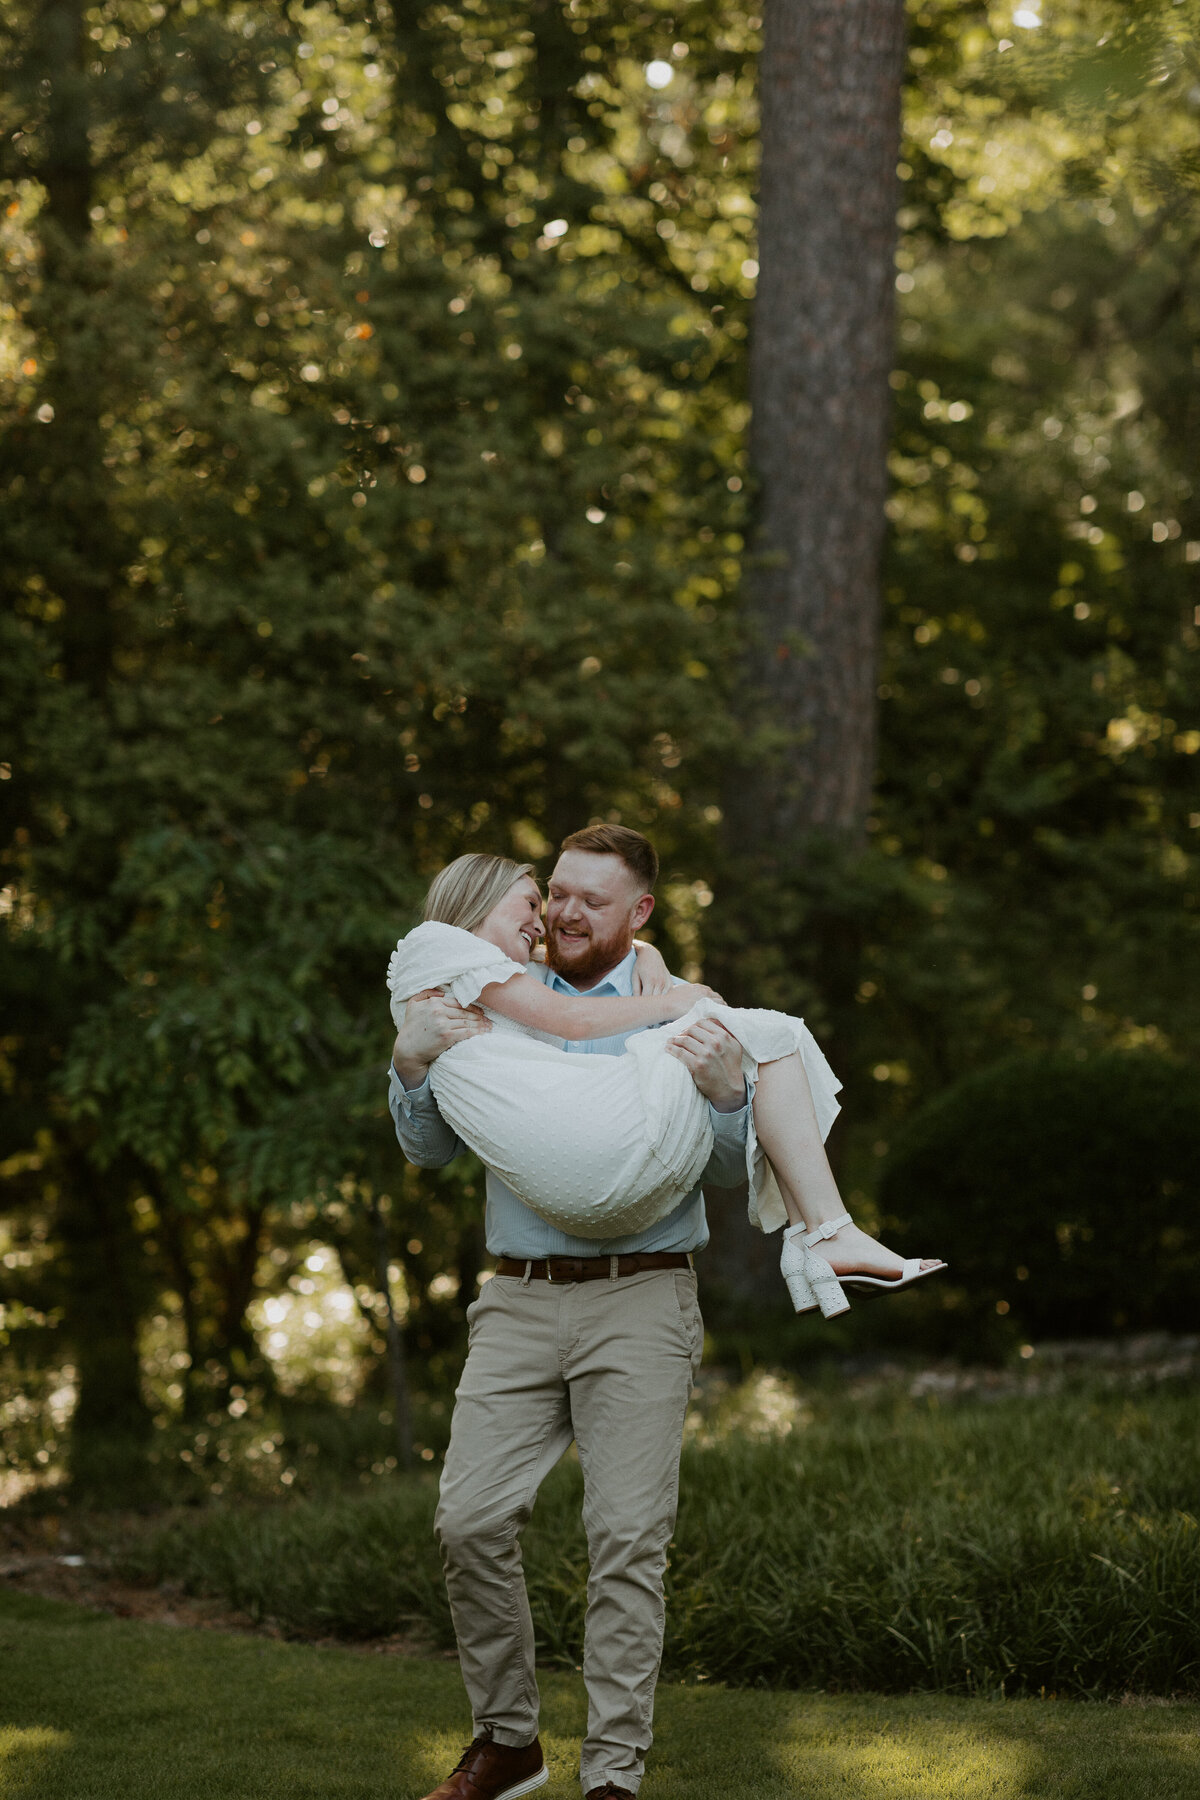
{"points": [[876, 1284], [524, 1787]]}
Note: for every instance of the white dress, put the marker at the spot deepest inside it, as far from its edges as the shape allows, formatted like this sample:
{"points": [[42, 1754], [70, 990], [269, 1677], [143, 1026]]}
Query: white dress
{"points": [[600, 1146]]}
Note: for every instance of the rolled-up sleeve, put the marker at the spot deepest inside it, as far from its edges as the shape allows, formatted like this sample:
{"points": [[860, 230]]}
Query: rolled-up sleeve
{"points": [[424, 1135], [726, 1166]]}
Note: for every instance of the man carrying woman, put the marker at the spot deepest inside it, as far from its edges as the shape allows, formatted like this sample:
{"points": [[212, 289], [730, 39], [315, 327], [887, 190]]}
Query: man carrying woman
{"points": [[591, 1334]]}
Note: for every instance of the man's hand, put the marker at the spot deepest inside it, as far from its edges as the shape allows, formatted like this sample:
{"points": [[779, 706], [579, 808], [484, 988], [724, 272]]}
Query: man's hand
{"points": [[432, 1022], [713, 1057]]}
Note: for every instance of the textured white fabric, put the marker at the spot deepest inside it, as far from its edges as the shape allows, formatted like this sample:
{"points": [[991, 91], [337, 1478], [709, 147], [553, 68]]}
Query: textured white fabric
{"points": [[600, 1146], [442, 956]]}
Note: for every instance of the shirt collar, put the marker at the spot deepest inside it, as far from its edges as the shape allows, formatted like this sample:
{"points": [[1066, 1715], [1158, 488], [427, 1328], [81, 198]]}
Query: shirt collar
{"points": [[618, 981]]}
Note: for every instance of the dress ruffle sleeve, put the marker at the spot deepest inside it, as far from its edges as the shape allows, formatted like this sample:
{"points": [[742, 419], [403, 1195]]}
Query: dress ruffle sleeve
{"points": [[443, 956]]}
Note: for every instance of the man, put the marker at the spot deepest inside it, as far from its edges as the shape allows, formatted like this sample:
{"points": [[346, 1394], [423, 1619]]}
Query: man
{"points": [[573, 1338]]}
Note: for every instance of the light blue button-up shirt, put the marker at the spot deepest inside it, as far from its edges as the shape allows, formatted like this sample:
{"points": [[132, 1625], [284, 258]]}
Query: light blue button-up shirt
{"points": [[513, 1229]]}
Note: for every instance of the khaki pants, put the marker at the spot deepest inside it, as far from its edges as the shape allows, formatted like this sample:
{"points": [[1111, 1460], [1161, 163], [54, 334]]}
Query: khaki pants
{"points": [[610, 1364]]}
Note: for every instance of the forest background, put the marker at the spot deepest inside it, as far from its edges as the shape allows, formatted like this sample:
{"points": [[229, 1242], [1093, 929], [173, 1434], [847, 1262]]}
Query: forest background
{"points": [[374, 406]]}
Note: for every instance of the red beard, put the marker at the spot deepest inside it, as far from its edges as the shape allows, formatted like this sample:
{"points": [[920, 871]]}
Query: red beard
{"points": [[587, 959]]}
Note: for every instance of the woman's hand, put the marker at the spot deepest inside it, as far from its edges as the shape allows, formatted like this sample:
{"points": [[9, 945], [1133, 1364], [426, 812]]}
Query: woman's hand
{"points": [[651, 975], [681, 998]]}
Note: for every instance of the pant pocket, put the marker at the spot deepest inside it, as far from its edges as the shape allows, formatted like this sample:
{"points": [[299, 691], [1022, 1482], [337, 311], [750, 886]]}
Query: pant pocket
{"points": [[689, 1315], [478, 1307]]}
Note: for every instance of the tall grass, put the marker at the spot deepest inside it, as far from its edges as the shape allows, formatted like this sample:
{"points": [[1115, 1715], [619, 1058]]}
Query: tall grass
{"points": [[1022, 1545]]}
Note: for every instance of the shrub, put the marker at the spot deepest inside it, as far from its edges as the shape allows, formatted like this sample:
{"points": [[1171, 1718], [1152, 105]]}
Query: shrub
{"points": [[1063, 1193], [1026, 1543]]}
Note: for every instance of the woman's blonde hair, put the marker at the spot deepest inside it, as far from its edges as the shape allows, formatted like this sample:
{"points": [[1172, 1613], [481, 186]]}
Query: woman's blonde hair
{"points": [[466, 890]]}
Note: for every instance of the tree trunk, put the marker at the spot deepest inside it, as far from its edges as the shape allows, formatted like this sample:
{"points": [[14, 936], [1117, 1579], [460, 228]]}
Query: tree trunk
{"points": [[104, 1287], [234, 1346], [66, 171], [830, 82], [68, 315], [741, 1265], [174, 1240], [397, 1369]]}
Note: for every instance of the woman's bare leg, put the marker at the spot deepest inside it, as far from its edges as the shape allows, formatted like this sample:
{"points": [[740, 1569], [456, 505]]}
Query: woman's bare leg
{"points": [[786, 1122]]}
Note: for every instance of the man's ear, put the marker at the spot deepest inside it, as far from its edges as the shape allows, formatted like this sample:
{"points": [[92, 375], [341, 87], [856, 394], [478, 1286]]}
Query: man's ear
{"points": [[642, 911]]}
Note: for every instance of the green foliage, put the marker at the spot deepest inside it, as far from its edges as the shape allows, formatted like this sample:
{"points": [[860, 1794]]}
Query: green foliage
{"points": [[1031, 877], [1041, 689], [350, 518], [1024, 1544], [362, 1568], [1062, 1192], [372, 413]]}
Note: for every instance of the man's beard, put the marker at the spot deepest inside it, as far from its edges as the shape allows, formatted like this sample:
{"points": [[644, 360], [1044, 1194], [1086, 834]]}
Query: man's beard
{"points": [[587, 959]]}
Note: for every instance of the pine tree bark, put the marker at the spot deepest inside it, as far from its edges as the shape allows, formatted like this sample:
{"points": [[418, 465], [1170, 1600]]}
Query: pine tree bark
{"points": [[830, 79]]}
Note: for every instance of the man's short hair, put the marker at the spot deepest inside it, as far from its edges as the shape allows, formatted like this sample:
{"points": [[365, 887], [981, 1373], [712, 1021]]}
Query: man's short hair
{"points": [[635, 851]]}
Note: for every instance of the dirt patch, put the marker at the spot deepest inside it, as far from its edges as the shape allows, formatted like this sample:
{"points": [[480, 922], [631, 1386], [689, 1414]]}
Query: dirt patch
{"points": [[86, 1582], [86, 1578]]}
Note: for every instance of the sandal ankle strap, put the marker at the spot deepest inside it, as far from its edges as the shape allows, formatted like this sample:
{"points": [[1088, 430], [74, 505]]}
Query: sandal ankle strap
{"points": [[827, 1229]]}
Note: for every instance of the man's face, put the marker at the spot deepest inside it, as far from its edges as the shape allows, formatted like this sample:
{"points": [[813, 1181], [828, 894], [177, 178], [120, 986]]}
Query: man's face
{"points": [[595, 906]]}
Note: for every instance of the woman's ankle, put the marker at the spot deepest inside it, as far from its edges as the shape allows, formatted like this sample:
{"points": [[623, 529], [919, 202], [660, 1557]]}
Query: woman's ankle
{"points": [[827, 1226]]}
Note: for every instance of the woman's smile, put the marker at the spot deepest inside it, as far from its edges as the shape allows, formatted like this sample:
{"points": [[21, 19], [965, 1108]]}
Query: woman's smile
{"points": [[515, 924]]}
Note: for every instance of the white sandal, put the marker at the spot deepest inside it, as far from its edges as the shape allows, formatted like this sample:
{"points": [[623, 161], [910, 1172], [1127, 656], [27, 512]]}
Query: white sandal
{"points": [[811, 1281]]}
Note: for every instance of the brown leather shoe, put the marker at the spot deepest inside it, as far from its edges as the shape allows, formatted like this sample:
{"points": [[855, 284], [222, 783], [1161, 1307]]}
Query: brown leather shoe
{"points": [[487, 1771], [610, 1791]]}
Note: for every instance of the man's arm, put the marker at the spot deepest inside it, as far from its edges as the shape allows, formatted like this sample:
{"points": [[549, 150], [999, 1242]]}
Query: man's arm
{"points": [[424, 1135], [431, 1024], [726, 1167]]}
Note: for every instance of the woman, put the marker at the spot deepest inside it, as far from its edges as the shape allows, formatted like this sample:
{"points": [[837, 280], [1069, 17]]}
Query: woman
{"points": [[604, 1146]]}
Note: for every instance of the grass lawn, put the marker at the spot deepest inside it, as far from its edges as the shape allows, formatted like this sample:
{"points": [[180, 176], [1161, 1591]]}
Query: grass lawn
{"points": [[96, 1708]]}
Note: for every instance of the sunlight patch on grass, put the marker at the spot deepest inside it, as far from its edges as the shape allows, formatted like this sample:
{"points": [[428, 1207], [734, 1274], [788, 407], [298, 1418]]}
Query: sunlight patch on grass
{"points": [[727, 1744], [22, 1745], [878, 1759]]}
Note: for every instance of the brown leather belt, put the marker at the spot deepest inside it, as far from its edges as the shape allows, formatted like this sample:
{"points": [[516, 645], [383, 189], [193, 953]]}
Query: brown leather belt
{"points": [[592, 1268]]}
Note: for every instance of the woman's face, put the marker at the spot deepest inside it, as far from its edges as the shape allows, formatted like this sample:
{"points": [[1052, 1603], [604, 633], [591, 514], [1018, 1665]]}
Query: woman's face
{"points": [[515, 924]]}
